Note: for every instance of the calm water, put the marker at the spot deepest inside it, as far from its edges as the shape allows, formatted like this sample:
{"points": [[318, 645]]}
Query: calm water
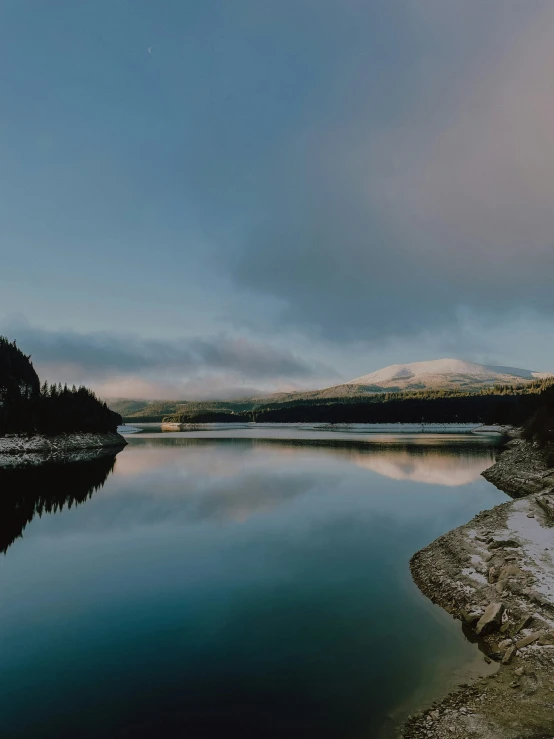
{"points": [[205, 586]]}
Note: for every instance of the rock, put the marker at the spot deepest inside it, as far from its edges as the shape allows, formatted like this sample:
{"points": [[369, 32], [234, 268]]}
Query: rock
{"points": [[528, 639], [492, 575], [497, 543], [508, 654], [509, 570], [546, 502], [519, 671], [547, 638], [530, 515], [522, 623], [469, 617], [535, 596], [491, 619]]}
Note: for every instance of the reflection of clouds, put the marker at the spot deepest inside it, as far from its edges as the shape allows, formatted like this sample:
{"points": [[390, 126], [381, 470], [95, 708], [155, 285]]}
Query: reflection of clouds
{"points": [[205, 463], [176, 483], [181, 461], [156, 482], [256, 494]]}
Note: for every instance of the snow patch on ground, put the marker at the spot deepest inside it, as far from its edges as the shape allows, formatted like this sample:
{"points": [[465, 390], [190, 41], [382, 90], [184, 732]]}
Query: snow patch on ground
{"points": [[471, 572], [537, 546], [20, 450]]}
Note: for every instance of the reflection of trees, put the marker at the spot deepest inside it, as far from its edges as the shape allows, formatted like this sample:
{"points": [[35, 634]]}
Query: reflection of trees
{"points": [[46, 488]]}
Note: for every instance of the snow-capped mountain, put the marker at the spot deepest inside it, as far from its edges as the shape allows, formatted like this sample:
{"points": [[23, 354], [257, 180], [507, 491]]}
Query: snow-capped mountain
{"points": [[442, 373]]}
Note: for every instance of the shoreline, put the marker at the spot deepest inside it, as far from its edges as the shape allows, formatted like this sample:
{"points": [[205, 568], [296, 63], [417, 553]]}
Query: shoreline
{"points": [[16, 450], [496, 575], [377, 428]]}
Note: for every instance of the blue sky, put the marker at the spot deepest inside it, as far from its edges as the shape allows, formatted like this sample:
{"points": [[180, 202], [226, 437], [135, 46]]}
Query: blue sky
{"points": [[228, 195]]}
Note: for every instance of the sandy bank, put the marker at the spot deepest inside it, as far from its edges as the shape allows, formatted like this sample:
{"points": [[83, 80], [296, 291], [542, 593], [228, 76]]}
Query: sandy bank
{"points": [[17, 450], [496, 575]]}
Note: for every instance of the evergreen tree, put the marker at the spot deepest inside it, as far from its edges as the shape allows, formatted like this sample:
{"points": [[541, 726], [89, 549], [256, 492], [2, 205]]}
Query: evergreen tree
{"points": [[28, 407]]}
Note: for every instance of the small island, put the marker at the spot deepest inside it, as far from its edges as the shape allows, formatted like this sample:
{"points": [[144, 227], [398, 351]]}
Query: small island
{"points": [[48, 421]]}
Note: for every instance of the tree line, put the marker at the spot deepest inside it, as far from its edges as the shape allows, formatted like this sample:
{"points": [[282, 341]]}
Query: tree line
{"points": [[530, 404], [27, 407]]}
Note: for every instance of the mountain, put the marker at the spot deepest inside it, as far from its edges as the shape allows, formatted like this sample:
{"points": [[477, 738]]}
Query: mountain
{"points": [[438, 374]]}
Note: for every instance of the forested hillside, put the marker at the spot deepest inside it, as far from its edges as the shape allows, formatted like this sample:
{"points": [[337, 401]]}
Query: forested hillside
{"points": [[28, 408], [155, 411], [539, 426], [499, 405]]}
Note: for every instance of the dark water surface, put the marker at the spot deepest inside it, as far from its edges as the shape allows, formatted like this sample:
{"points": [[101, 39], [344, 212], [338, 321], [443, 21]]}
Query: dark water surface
{"points": [[216, 587]]}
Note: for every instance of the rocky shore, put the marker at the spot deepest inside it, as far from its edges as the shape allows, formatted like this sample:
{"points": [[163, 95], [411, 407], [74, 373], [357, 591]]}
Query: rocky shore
{"points": [[521, 470], [496, 575], [18, 450]]}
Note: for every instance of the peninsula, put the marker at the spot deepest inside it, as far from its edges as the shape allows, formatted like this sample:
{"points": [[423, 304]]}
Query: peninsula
{"points": [[38, 422], [496, 575]]}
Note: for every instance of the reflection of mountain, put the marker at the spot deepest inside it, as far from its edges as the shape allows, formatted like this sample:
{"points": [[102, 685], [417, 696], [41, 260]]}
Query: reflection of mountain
{"points": [[437, 462], [47, 488], [434, 468], [186, 480]]}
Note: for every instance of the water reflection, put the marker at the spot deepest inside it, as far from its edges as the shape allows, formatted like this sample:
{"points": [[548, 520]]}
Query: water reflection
{"points": [[429, 465], [435, 461], [251, 587], [46, 488], [233, 479]]}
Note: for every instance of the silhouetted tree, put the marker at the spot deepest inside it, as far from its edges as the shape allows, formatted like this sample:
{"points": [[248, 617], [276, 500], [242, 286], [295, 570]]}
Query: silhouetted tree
{"points": [[26, 407], [19, 388]]}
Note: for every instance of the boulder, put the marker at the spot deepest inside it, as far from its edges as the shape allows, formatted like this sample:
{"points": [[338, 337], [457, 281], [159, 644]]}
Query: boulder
{"points": [[528, 639], [469, 617], [497, 543], [491, 619], [546, 502], [522, 623], [508, 654]]}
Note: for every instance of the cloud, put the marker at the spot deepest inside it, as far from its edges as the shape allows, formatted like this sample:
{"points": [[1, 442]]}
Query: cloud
{"points": [[428, 190], [127, 364], [348, 178]]}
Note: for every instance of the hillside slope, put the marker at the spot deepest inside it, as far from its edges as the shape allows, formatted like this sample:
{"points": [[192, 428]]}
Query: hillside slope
{"points": [[447, 374], [440, 374]]}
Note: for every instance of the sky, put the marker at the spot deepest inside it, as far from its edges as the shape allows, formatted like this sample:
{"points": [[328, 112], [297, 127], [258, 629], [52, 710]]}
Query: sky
{"points": [[208, 198]]}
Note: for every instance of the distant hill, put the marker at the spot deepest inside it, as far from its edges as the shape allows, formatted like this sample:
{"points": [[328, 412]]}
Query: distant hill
{"points": [[440, 374]]}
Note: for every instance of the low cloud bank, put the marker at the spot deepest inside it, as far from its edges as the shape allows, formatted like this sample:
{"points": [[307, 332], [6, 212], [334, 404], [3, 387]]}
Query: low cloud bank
{"points": [[124, 364]]}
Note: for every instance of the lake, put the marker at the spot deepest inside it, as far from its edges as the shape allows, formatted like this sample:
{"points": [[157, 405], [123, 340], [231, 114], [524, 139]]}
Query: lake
{"points": [[248, 582]]}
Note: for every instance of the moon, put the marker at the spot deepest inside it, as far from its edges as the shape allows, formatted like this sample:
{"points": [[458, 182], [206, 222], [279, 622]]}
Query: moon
{"points": [[149, 49]]}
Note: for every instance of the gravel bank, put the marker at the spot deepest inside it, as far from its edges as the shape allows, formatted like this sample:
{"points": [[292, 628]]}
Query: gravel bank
{"points": [[20, 450]]}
